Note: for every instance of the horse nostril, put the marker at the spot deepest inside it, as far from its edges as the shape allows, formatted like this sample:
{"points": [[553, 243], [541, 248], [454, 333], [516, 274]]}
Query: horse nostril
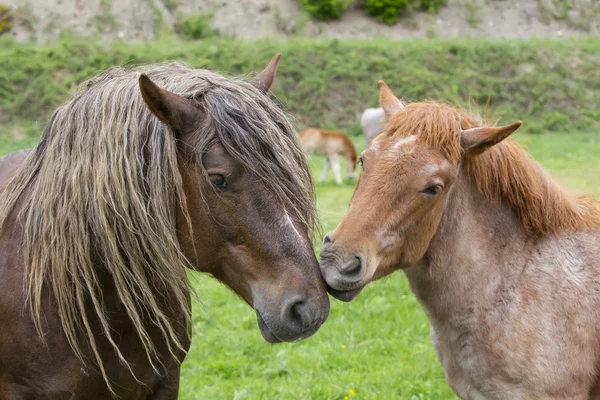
{"points": [[353, 269], [327, 239], [297, 316]]}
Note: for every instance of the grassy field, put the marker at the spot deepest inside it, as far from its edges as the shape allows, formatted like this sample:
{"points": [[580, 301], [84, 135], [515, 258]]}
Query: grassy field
{"points": [[376, 347]]}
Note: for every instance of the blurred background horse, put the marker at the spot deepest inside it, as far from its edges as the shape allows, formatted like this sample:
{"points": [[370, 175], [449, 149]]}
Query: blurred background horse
{"points": [[330, 144], [371, 122]]}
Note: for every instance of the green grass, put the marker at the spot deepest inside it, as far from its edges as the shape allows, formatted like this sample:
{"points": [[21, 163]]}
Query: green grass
{"points": [[377, 346]]}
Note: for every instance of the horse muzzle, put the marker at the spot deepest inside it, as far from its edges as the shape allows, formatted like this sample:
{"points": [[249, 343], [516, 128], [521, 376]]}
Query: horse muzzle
{"points": [[299, 318], [344, 271]]}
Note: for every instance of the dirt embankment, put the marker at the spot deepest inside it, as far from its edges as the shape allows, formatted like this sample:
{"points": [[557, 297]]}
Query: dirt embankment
{"points": [[42, 20]]}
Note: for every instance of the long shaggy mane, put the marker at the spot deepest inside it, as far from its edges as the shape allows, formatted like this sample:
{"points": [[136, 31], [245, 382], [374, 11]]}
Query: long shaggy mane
{"points": [[100, 192]]}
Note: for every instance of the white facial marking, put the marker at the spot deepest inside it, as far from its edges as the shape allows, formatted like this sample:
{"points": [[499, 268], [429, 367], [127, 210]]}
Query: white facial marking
{"points": [[404, 141], [430, 169], [433, 169], [386, 239], [288, 221], [374, 146]]}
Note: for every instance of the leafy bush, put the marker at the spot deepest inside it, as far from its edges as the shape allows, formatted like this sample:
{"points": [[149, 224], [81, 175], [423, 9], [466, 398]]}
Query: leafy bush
{"points": [[196, 26], [325, 9], [432, 6], [387, 11], [6, 18], [552, 85]]}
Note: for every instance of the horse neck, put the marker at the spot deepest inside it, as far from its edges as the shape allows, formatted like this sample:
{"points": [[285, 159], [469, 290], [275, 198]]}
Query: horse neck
{"points": [[478, 245]]}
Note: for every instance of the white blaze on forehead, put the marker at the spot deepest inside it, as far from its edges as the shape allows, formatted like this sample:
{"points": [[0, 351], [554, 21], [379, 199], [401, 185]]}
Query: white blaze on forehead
{"points": [[433, 169], [375, 145], [404, 141], [288, 221]]}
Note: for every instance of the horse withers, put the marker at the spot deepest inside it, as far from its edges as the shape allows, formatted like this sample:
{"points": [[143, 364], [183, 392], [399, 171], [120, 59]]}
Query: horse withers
{"points": [[503, 260], [330, 144], [143, 174]]}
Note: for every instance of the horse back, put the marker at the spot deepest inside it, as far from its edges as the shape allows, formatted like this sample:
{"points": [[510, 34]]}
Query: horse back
{"points": [[9, 164]]}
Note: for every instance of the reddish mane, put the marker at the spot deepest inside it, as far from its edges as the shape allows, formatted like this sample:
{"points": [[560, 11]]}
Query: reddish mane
{"points": [[505, 172]]}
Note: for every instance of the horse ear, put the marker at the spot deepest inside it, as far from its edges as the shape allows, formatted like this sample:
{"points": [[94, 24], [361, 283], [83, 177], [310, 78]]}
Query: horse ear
{"points": [[477, 140], [179, 113], [390, 103], [264, 79]]}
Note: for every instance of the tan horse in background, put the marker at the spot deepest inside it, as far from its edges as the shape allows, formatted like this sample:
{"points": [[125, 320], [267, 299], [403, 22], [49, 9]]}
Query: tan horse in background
{"points": [[504, 261], [330, 144]]}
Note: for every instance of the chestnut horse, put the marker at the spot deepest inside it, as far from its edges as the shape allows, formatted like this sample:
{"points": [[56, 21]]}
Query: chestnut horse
{"points": [[131, 185], [330, 144], [504, 261]]}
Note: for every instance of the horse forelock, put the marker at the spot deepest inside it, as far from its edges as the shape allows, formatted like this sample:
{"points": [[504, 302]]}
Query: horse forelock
{"points": [[259, 135], [103, 183], [504, 172]]}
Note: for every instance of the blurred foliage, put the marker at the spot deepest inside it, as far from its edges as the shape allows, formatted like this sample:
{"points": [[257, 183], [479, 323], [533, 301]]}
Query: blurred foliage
{"points": [[551, 85], [6, 18], [325, 9], [431, 6], [387, 11], [196, 26]]}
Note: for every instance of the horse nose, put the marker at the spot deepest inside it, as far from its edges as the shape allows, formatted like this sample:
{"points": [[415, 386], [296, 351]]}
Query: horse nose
{"points": [[299, 316], [328, 239], [342, 270], [353, 270]]}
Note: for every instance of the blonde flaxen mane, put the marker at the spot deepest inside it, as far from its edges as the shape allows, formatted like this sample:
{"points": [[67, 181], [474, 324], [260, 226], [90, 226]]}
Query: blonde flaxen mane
{"points": [[505, 172], [102, 187]]}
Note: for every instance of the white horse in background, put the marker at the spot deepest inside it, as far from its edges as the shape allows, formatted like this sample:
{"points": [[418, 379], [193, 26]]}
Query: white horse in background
{"points": [[372, 121]]}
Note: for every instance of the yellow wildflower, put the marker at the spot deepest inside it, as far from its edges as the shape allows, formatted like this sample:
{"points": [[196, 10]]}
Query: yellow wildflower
{"points": [[351, 392], [343, 346]]}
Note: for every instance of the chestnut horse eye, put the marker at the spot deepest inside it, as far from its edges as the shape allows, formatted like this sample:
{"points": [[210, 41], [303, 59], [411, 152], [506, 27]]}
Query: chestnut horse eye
{"points": [[362, 164], [218, 180], [433, 189]]}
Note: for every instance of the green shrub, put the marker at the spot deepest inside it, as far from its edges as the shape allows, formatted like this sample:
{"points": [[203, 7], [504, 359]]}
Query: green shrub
{"points": [[432, 6], [196, 26], [387, 11], [325, 9], [6, 18], [552, 85]]}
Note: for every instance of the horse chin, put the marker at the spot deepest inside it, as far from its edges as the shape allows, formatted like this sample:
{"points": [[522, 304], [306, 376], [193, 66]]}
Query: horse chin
{"points": [[265, 331], [344, 295]]}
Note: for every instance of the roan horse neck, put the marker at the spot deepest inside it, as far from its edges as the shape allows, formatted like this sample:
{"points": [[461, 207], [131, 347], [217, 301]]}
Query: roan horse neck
{"points": [[479, 246]]}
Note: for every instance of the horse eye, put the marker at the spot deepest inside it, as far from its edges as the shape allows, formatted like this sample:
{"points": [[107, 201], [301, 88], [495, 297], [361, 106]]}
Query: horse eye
{"points": [[362, 164], [433, 189], [218, 180]]}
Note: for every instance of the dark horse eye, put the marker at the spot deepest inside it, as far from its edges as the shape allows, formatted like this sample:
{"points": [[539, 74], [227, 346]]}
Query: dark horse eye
{"points": [[218, 181], [362, 164], [433, 189]]}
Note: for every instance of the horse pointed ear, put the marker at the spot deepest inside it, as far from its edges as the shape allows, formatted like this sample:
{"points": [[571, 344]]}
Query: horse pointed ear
{"points": [[264, 79], [390, 103], [477, 140], [176, 111]]}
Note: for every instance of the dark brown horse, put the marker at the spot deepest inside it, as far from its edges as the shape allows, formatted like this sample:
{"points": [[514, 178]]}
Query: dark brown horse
{"points": [[131, 185]]}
